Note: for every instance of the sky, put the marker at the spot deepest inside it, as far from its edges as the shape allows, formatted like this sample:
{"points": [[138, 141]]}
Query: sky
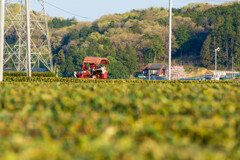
{"points": [[94, 9]]}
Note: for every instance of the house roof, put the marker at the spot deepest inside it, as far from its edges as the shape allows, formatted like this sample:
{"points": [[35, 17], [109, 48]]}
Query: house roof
{"points": [[146, 66], [166, 67], [96, 60], [154, 66]]}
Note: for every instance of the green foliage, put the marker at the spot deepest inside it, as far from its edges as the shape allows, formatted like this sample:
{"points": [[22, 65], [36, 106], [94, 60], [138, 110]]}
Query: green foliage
{"points": [[11, 38], [72, 35], [60, 57], [34, 74], [43, 74], [131, 60], [166, 120], [136, 28], [154, 50], [130, 81], [206, 53], [95, 27], [224, 35], [68, 67], [116, 69], [182, 37], [128, 57], [84, 32], [60, 23]]}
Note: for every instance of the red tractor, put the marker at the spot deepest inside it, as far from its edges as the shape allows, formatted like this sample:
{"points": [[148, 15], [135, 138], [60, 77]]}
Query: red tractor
{"points": [[93, 68]]}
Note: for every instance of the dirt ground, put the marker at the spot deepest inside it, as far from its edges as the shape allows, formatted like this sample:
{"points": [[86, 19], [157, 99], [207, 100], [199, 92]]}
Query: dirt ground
{"points": [[199, 72]]}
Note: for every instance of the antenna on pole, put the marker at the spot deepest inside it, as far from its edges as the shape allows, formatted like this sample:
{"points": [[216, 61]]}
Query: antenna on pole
{"points": [[2, 17], [216, 50], [170, 42], [30, 48]]}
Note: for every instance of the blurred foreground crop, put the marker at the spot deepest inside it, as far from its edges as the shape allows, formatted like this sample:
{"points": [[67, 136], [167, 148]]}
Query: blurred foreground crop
{"points": [[119, 121]]}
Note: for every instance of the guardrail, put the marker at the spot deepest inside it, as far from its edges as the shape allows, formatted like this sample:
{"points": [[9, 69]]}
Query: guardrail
{"points": [[227, 72], [230, 76], [193, 78]]}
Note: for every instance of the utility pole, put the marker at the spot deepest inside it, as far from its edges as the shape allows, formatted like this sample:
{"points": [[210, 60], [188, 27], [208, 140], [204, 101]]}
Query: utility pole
{"points": [[148, 74], [57, 73], [2, 18], [232, 65], [181, 59], [170, 41], [29, 68], [216, 50]]}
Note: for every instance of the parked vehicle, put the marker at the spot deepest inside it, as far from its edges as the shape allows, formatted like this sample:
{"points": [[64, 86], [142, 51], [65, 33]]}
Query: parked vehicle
{"points": [[208, 77], [155, 78], [141, 76], [193, 79]]}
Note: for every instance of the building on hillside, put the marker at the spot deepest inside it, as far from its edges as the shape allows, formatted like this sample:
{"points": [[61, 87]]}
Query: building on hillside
{"points": [[156, 69]]}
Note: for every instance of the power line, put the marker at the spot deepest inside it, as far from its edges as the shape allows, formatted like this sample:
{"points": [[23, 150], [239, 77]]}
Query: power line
{"points": [[67, 11]]}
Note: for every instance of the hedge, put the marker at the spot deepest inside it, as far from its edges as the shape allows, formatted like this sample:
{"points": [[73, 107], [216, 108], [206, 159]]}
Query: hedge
{"points": [[34, 74]]}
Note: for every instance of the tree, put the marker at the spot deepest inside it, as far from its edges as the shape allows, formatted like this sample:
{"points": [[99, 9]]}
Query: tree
{"points": [[60, 23], [60, 57], [77, 56], [67, 68], [131, 58], [116, 69], [206, 55], [182, 38], [72, 35], [95, 27], [84, 32], [136, 28], [154, 49], [72, 51]]}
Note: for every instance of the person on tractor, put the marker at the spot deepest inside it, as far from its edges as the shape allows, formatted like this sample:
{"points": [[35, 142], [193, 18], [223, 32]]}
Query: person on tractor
{"points": [[93, 68]]}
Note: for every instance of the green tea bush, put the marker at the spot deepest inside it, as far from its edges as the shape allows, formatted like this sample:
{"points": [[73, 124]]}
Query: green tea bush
{"points": [[34, 74], [76, 80], [119, 119]]}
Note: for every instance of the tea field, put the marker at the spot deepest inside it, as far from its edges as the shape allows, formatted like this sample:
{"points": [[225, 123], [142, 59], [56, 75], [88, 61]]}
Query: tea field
{"points": [[69, 119]]}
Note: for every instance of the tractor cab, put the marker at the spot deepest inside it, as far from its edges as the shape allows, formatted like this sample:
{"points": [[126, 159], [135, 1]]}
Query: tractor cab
{"points": [[93, 68]]}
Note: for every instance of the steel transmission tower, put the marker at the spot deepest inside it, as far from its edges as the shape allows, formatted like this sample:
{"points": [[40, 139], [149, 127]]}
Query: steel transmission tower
{"points": [[18, 31]]}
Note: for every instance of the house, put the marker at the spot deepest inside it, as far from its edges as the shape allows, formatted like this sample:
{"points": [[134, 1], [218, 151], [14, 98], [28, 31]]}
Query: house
{"points": [[155, 69]]}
